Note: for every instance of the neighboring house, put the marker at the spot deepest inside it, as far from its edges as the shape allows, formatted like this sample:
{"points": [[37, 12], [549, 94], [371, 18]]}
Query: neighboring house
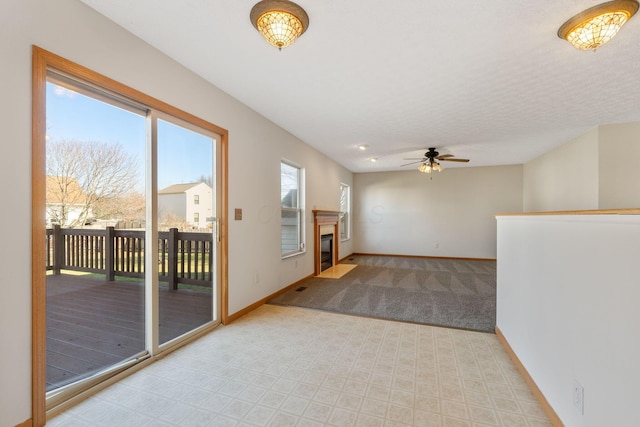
{"points": [[66, 202], [190, 204]]}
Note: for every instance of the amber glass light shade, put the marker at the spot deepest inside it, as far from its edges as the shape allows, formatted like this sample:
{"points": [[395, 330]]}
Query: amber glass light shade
{"points": [[280, 22], [431, 166], [594, 27]]}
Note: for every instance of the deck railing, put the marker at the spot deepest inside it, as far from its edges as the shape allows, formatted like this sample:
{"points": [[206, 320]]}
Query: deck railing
{"points": [[183, 257]]}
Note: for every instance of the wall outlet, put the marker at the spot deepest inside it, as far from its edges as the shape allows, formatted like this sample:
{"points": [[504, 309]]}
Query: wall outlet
{"points": [[256, 278], [578, 396], [436, 245]]}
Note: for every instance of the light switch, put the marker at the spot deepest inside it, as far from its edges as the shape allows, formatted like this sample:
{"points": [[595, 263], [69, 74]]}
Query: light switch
{"points": [[238, 214]]}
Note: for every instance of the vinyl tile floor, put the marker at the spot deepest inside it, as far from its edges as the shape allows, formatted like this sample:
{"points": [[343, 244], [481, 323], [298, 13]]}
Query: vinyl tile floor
{"points": [[286, 366]]}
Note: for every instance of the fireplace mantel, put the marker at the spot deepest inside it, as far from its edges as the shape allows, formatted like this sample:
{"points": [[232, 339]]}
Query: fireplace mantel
{"points": [[323, 219]]}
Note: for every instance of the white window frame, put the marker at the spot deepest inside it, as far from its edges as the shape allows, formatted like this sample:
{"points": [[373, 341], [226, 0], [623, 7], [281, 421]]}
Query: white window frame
{"points": [[345, 212], [300, 244]]}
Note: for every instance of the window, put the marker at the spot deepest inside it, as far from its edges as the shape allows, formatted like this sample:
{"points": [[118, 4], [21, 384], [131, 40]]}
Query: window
{"points": [[345, 209], [291, 225], [196, 199], [196, 218]]}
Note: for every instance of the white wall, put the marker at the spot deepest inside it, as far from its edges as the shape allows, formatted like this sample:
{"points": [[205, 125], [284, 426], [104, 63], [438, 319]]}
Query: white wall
{"points": [[597, 170], [407, 213], [567, 303], [620, 166], [72, 30], [565, 178], [257, 236]]}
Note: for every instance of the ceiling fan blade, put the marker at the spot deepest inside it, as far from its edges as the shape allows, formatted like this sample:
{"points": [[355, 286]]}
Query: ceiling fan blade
{"points": [[455, 160], [415, 158], [444, 156], [411, 163]]}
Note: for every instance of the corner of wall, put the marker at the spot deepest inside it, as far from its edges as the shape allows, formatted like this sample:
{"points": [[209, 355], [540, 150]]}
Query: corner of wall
{"points": [[565, 178], [619, 175]]}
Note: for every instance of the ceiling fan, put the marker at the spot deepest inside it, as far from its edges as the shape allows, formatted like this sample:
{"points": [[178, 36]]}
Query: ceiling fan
{"points": [[430, 163]]}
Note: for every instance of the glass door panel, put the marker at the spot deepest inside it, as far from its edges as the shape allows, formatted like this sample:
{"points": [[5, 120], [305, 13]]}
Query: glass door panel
{"points": [[186, 229], [95, 211]]}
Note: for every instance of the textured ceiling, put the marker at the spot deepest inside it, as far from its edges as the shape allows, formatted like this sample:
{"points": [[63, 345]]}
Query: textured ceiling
{"points": [[484, 80]]}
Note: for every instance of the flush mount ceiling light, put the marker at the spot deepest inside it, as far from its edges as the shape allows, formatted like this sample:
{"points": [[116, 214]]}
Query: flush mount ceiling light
{"points": [[280, 22], [597, 25]]}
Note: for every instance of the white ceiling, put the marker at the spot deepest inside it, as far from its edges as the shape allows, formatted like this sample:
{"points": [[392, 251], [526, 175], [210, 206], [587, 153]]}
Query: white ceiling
{"points": [[484, 80]]}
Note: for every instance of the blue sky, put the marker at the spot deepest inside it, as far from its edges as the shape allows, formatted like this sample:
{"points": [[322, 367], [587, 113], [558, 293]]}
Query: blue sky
{"points": [[183, 155]]}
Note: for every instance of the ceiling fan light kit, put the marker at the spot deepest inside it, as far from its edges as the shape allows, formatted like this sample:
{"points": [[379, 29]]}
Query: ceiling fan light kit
{"points": [[280, 22], [595, 26], [428, 167], [429, 163]]}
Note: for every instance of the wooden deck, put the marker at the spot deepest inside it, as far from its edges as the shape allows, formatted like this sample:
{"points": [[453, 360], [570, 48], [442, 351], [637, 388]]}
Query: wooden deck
{"points": [[93, 324]]}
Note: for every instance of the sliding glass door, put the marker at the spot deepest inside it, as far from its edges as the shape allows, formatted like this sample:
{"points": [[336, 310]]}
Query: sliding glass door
{"points": [[187, 225], [132, 232], [95, 218]]}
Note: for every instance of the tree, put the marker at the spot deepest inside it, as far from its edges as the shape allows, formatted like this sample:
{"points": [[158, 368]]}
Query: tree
{"points": [[86, 176], [207, 179], [130, 207], [168, 220]]}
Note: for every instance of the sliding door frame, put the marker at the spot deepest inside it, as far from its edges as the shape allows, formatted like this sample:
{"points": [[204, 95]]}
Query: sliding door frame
{"points": [[42, 61]]}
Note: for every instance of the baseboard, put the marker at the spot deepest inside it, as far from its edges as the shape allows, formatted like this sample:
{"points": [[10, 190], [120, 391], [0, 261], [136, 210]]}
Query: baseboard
{"points": [[546, 407], [426, 256], [345, 257], [249, 309], [28, 423], [235, 316]]}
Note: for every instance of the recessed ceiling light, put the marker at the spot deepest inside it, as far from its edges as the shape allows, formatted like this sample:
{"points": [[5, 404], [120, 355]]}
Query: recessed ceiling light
{"points": [[373, 159], [363, 147]]}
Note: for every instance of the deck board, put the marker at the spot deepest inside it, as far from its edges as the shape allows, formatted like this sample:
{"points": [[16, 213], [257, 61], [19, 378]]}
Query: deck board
{"points": [[106, 344], [93, 324]]}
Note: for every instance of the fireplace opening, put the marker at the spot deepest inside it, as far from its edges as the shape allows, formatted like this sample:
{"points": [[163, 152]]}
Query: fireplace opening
{"points": [[325, 248], [326, 251]]}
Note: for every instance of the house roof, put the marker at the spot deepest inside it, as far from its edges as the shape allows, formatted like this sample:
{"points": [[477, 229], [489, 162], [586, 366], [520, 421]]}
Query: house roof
{"points": [[64, 190], [179, 188], [486, 80]]}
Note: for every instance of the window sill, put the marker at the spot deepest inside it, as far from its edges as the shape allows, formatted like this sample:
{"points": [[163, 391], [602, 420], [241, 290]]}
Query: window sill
{"points": [[294, 254]]}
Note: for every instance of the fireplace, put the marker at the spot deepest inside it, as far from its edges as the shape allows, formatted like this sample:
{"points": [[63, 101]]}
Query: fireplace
{"points": [[326, 251], [325, 248]]}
